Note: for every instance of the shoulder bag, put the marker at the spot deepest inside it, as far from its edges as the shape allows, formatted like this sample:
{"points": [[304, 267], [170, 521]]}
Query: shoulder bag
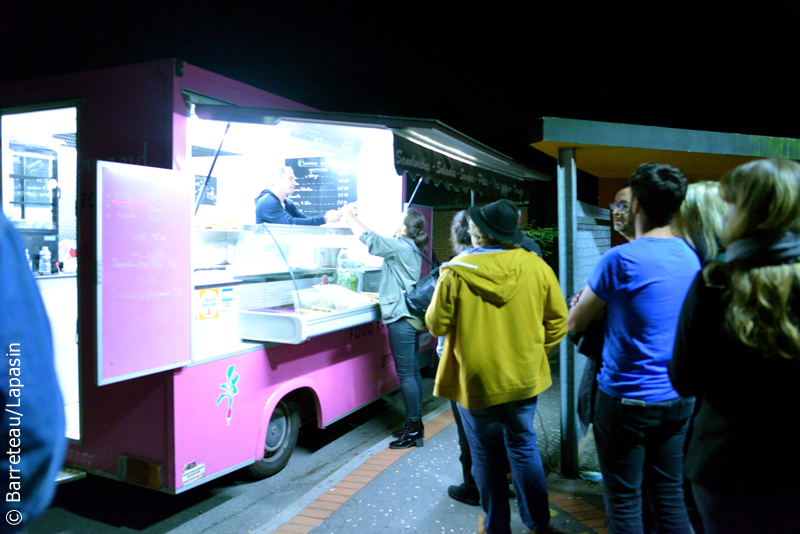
{"points": [[419, 297]]}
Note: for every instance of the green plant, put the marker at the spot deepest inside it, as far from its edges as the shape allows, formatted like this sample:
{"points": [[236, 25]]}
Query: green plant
{"points": [[545, 236]]}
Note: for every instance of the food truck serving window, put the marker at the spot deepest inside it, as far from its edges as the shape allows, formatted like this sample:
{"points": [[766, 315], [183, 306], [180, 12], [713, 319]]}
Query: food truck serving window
{"points": [[334, 164]]}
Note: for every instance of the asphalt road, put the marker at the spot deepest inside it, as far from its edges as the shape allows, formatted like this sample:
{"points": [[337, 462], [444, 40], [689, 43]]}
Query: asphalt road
{"points": [[230, 504]]}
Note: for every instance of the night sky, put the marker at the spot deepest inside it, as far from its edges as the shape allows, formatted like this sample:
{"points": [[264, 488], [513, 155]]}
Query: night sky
{"points": [[488, 72]]}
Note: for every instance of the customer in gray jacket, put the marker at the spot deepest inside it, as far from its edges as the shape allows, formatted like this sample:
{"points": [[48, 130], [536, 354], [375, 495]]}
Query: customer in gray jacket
{"points": [[402, 261]]}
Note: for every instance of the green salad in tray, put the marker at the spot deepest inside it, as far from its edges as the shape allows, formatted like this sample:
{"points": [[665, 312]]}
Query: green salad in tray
{"points": [[347, 279]]}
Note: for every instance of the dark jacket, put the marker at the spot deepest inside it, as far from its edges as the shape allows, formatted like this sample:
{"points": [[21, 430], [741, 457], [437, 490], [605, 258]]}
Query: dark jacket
{"points": [[269, 210], [531, 246], [745, 432]]}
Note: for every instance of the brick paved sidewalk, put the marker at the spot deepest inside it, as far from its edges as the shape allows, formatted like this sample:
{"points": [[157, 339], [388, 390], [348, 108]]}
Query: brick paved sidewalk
{"points": [[384, 506]]}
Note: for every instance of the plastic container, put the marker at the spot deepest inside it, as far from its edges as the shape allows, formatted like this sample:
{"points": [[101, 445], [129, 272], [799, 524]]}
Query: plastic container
{"points": [[326, 256], [329, 298], [44, 261]]}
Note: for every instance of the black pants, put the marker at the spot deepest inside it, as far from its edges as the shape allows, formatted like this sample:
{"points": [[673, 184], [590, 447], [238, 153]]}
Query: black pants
{"points": [[639, 444]]}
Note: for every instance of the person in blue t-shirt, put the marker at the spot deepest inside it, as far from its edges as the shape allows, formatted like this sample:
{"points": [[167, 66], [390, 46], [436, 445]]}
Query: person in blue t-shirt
{"points": [[274, 206], [640, 421]]}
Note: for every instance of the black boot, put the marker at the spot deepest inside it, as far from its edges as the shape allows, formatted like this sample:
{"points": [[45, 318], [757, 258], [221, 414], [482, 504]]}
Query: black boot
{"points": [[465, 493], [398, 433], [413, 434]]}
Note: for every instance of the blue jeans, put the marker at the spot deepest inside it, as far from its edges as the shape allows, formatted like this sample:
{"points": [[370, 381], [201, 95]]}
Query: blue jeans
{"points": [[404, 343], [642, 444], [492, 433]]}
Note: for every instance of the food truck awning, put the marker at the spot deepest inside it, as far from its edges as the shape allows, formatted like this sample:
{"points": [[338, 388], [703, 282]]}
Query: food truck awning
{"points": [[422, 147], [611, 150]]}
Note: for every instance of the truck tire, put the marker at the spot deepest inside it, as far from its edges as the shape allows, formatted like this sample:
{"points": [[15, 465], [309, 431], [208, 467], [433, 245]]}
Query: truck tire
{"points": [[284, 427]]}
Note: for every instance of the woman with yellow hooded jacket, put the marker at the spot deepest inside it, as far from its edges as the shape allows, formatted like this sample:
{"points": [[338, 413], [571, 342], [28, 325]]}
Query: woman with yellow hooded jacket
{"points": [[502, 311]]}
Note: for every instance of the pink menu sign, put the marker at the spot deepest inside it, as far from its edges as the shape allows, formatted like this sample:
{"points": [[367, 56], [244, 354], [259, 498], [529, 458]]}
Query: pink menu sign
{"points": [[144, 274]]}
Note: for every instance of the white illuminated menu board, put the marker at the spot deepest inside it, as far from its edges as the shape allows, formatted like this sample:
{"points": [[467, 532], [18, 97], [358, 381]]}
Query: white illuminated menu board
{"points": [[323, 183], [144, 280]]}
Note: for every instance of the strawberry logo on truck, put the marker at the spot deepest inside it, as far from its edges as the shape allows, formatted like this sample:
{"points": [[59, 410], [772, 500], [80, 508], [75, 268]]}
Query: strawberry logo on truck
{"points": [[229, 389]]}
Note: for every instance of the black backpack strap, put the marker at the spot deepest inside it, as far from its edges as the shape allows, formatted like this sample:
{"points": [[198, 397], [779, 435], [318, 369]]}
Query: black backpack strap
{"points": [[399, 283], [424, 257]]}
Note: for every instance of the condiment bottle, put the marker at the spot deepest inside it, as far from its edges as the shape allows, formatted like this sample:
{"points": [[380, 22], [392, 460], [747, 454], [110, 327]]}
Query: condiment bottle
{"points": [[44, 260]]}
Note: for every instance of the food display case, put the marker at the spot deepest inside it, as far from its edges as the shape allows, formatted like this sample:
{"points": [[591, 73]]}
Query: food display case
{"points": [[326, 267], [291, 282]]}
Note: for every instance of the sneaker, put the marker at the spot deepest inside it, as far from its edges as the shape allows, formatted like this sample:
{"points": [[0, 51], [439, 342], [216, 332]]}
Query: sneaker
{"points": [[466, 494]]}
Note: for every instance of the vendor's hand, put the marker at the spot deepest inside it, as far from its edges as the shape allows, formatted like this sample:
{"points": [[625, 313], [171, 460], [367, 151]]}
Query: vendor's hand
{"points": [[332, 216]]}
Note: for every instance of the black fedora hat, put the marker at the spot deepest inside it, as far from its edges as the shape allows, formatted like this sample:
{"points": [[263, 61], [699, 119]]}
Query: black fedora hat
{"points": [[498, 220]]}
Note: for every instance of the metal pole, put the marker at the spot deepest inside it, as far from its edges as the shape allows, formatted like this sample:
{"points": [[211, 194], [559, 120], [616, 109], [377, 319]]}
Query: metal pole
{"points": [[199, 199], [410, 200], [567, 230]]}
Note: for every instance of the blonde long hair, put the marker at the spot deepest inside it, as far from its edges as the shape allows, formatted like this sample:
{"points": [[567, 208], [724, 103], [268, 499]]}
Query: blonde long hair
{"points": [[766, 197], [701, 219]]}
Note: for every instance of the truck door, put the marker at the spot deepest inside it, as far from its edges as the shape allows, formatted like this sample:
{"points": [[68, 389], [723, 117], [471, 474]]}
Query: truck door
{"points": [[144, 270]]}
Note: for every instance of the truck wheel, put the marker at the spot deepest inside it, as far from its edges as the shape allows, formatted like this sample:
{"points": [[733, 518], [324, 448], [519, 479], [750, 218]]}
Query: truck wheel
{"points": [[284, 427]]}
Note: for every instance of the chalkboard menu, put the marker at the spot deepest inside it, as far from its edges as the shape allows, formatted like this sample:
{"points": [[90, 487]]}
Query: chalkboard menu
{"points": [[323, 183]]}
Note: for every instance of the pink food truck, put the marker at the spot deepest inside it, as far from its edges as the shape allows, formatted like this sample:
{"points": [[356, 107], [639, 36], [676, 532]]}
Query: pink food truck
{"points": [[191, 342]]}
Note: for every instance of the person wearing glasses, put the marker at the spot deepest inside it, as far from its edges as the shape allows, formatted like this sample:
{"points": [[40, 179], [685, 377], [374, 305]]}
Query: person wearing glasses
{"points": [[590, 341], [621, 215]]}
